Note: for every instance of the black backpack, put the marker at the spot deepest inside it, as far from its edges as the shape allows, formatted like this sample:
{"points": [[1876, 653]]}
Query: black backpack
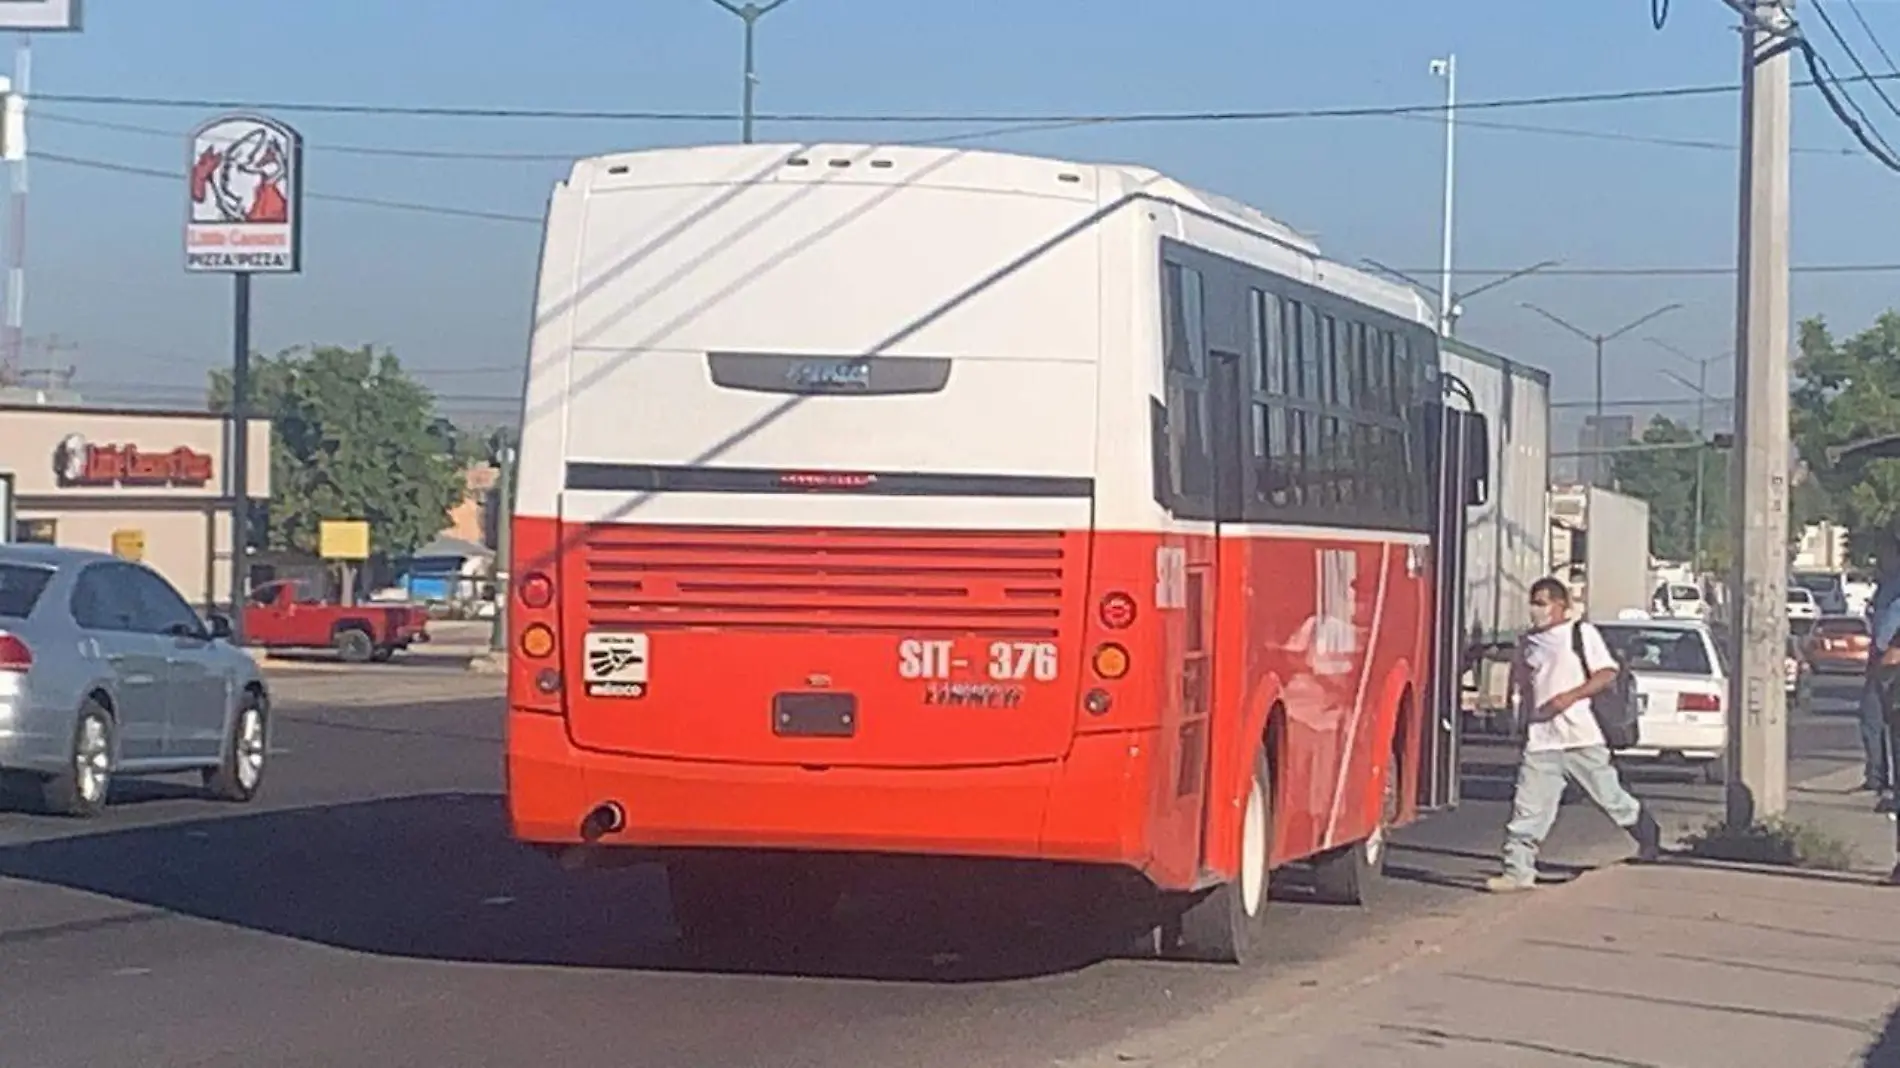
{"points": [[1615, 708]]}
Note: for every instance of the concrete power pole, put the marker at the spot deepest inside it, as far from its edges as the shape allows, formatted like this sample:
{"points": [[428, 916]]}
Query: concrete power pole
{"points": [[1757, 708]]}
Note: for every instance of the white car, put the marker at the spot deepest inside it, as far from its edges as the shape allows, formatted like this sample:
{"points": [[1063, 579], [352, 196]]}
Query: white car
{"points": [[1680, 600], [1802, 605], [1681, 692]]}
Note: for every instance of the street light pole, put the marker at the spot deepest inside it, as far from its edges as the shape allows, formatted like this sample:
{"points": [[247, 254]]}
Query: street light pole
{"points": [[1598, 341], [1447, 68], [750, 14], [1701, 388], [1458, 300], [504, 512]]}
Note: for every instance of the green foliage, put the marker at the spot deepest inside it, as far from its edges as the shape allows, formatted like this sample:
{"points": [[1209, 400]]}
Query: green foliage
{"points": [[1782, 842], [1665, 479], [354, 437], [1845, 391]]}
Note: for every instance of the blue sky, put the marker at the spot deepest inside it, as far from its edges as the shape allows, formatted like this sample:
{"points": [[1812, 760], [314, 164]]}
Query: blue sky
{"points": [[451, 295]]}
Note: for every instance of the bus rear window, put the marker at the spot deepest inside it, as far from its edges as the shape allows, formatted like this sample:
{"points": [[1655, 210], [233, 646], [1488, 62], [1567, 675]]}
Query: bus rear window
{"points": [[20, 589]]}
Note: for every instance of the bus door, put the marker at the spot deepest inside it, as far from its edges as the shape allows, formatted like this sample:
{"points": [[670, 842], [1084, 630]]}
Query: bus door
{"points": [[1459, 447]]}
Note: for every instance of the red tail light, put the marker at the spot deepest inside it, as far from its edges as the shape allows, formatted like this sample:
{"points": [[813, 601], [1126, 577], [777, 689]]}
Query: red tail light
{"points": [[1699, 702], [14, 655], [537, 590], [1117, 611]]}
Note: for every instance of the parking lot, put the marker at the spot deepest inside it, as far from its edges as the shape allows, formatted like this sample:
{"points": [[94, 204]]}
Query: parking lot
{"points": [[370, 909]]}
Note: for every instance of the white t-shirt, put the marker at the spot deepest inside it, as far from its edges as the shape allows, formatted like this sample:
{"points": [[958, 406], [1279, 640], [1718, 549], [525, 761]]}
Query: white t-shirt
{"points": [[1548, 667]]}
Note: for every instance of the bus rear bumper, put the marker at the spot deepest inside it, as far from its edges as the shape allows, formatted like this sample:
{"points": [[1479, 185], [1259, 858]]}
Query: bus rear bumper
{"points": [[1087, 807]]}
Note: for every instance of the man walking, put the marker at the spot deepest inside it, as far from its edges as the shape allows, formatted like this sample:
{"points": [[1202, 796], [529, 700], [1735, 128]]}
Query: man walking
{"points": [[1883, 619], [1561, 664]]}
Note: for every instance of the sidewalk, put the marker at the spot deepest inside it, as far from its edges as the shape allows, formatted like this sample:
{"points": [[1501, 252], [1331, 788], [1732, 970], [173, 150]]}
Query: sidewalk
{"points": [[1678, 965]]}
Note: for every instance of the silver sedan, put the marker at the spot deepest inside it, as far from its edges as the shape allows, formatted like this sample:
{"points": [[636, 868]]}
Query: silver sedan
{"points": [[105, 669]]}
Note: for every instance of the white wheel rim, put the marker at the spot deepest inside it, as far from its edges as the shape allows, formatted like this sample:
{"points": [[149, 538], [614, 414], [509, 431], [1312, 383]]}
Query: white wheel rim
{"points": [[250, 747], [1253, 851], [92, 760]]}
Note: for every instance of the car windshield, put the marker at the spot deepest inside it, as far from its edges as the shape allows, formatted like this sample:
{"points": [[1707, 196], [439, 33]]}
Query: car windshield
{"points": [[1677, 650], [20, 589], [1800, 597], [1842, 626]]}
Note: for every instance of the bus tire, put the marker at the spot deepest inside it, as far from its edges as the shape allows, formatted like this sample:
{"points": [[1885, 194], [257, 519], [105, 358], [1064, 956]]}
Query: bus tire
{"points": [[1352, 875], [733, 902], [1227, 925]]}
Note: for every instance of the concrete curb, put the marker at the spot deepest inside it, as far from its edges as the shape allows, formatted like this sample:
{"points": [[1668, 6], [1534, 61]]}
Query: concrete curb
{"points": [[1839, 781]]}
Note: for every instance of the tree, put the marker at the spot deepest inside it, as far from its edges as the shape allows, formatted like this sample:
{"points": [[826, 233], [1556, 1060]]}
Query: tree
{"points": [[354, 437], [1665, 480], [1843, 392]]}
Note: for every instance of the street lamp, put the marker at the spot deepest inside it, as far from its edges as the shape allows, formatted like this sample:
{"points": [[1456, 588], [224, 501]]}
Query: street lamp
{"points": [[1457, 312], [1599, 340], [750, 14], [1701, 388], [1447, 68]]}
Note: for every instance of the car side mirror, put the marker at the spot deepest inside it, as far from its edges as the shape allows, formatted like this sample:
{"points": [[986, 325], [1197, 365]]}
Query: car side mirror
{"points": [[220, 626]]}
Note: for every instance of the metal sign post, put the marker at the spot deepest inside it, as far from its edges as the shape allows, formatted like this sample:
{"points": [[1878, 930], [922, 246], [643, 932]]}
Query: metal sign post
{"points": [[245, 217]]}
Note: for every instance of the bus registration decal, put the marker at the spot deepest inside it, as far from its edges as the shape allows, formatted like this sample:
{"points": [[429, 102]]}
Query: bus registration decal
{"points": [[615, 665], [1015, 661]]}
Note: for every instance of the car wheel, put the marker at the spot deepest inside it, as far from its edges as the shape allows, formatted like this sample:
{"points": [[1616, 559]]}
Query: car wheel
{"points": [[1228, 924], [354, 646], [246, 751], [81, 790]]}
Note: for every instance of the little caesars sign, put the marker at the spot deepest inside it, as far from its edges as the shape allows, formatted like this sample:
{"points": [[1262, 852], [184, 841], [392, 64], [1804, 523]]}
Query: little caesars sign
{"points": [[246, 193]]}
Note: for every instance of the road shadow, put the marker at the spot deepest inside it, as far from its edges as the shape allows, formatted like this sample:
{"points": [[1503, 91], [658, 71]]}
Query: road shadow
{"points": [[435, 877]]}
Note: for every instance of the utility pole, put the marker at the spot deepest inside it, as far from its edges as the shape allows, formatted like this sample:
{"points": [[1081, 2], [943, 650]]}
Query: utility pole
{"points": [[504, 512], [13, 333], [1757, 709], [750, 14], [1600, 340], [1701, 389], [1447, 68]]}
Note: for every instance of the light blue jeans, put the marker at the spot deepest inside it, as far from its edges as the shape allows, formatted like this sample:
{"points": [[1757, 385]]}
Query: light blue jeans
{"points": [[1540, 792]]}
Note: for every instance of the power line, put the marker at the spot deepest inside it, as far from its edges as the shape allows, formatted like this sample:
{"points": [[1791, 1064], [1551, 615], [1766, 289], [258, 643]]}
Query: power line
{"points": [[922, 119], [339, 198], [1854, 58], [477, 156], [1861, 17]]}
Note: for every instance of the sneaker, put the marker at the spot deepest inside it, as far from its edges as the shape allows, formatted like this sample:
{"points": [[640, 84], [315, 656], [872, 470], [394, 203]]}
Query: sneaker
{"points": [[1886, 806], [1507, 884]]}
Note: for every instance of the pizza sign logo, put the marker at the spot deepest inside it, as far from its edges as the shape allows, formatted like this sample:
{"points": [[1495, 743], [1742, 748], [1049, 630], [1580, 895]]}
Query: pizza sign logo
{"points": [[244, 185]]}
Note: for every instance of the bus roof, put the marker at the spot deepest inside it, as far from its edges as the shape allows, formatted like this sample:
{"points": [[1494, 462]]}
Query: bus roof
{"points": [[1003, 172]]}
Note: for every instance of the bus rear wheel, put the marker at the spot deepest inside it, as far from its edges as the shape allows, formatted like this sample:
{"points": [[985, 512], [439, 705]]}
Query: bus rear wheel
{"points": [[1227, 925], [744, 902], [1352, 875]]}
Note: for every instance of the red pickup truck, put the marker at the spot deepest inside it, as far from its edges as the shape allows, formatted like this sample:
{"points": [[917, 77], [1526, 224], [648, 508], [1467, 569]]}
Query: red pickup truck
{"points": [[281, 616]]}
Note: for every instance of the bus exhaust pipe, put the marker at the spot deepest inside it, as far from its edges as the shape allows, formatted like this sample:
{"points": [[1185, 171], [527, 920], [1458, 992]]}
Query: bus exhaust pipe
{"points": [[605, 819]]}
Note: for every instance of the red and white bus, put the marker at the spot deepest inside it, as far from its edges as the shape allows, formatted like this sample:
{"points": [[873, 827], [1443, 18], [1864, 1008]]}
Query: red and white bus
{"points": [[925, 501]]}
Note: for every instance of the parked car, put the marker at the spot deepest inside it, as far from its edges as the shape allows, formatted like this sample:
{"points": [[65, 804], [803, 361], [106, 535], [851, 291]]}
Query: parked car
{"points": [[1837, 645], [1681, 692], [1802, 604], [106, 670], [285, 615], [1829, 589]]}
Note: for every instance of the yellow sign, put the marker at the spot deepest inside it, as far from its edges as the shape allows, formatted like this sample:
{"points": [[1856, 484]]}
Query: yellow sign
{"points": [[343, 539], [128, 544]]}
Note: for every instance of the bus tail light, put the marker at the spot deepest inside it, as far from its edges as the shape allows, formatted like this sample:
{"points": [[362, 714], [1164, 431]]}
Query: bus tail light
{"points": [[1110, 661], [536, 680], [537, 590], [1117, 611], [537, 641]]}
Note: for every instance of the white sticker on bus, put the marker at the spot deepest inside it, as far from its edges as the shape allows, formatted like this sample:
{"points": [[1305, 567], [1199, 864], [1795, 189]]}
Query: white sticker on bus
{"points": [[1171, 577], [615, 665]]}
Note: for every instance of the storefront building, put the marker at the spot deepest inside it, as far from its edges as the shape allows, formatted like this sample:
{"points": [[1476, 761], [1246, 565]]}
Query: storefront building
{"points": [[148, 485]]}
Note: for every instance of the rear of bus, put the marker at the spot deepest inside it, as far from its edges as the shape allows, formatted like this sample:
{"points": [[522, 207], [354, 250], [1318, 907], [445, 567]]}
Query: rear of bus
{"points": [[802, 551]]}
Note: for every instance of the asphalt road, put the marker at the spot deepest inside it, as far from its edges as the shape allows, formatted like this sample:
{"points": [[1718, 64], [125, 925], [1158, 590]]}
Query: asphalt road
{"points": [[370, 910]]}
